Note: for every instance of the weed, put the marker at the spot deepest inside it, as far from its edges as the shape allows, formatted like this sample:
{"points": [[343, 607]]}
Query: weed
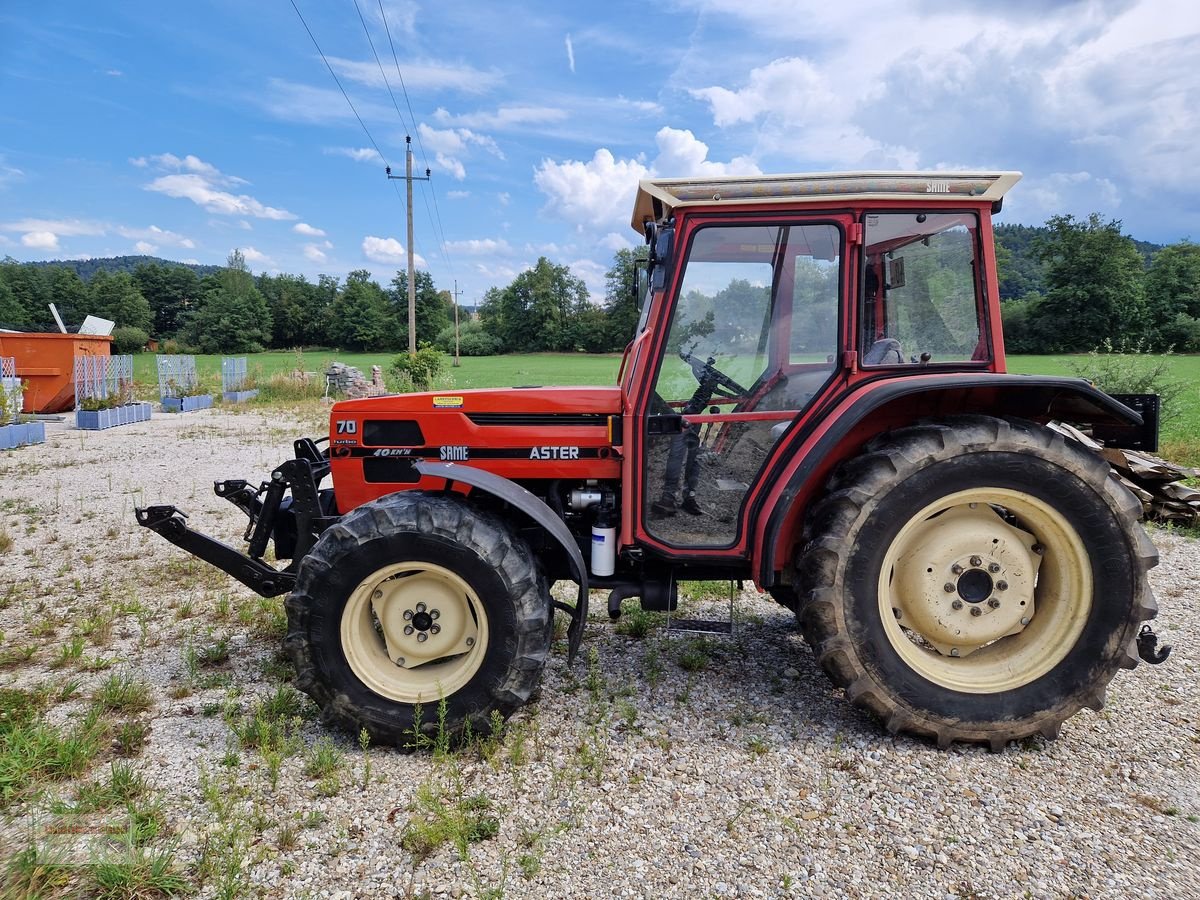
{"points": [[214, 654], [6, 540], [68, 652], [36, 873], [288, 838], [32, 750], [314, 818], [14, 656], [124, 693], [124, 785], [323, 760], [364, 743], [636, 623], [442, 819], [695, 655], [138, 872]]}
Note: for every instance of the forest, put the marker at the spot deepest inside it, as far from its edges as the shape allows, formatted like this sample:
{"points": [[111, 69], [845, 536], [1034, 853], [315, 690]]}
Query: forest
{"points": [[1070, 285]]}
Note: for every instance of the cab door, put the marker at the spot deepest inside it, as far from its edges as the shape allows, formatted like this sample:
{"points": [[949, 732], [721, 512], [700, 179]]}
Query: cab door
{"points": [[749, 337]]}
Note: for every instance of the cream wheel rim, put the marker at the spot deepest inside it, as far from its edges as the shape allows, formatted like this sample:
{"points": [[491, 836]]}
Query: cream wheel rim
{"points": [[985, 590], [414, 632]]}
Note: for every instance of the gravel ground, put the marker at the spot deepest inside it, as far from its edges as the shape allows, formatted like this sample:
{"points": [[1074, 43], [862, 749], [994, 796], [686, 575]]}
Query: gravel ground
{"points": [[630, 777]]}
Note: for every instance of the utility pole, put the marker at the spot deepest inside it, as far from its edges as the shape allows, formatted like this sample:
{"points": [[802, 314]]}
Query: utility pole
{"points": [[456, 293], [412, 285]]}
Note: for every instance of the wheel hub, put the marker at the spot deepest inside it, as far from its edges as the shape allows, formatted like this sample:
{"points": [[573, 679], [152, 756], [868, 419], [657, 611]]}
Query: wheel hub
{"points": [[966, 579], [418, 631]]}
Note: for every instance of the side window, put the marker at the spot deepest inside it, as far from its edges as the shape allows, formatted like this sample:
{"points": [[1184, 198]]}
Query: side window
{"points": [[920, 294]]}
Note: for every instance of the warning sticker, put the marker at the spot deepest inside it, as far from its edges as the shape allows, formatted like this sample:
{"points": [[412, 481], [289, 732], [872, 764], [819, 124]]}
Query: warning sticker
{"points": [[447, 402]]}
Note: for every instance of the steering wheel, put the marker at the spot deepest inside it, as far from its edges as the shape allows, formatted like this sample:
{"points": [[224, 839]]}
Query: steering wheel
{"points": [[712, 381]]}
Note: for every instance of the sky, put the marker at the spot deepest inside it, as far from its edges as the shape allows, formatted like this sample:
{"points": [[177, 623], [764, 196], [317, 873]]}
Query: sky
{"points": [[185, 130]]}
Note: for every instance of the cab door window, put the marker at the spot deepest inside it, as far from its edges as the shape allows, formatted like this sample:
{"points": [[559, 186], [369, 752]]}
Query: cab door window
{"points": [[752, 338]]}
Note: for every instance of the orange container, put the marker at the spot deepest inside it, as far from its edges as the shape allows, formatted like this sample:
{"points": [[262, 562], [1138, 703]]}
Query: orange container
{"points": [[46, 363]]}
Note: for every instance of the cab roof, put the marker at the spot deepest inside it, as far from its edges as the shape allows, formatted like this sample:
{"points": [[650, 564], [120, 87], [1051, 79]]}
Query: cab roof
{"points": [[658, 197]]}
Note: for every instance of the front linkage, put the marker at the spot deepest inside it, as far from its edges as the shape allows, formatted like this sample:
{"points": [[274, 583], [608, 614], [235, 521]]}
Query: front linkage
{"points": [[306, 513]]}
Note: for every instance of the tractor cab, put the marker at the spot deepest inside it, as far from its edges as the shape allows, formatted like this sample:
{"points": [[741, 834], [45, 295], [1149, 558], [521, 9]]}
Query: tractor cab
{"points": [[768, 295]]}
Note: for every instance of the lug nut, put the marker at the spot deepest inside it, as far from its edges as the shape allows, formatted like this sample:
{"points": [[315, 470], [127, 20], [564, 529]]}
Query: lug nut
{"points": [[422, 637], [400, 661], [976, 611], [994, 568], [957, 604], [954, 651], [470, 642], [377, 595], [435, 628], [994, 603], [956, 569], [420, 607], [408, 615], [435, 613], [1002, 585], [408, 629], [948, 588], [976, 561], [1024, 620]]}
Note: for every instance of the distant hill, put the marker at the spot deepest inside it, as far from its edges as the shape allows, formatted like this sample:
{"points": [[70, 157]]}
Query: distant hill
{"points": [[86, 268], [1023, 272]]}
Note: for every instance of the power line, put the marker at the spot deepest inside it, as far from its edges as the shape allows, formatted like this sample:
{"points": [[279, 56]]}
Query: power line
{"points": [[441, 232], [338, 82], [367, 31]]}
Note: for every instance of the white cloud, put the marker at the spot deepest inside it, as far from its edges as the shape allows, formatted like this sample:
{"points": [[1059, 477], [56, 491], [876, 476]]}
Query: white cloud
{"points": [[307, 230], [293, 102], [358, 154], [172, 163], [593, 275], [65, 227], [200, 191], [570, 54], [479, 247], [8, 174], [314, 253], [145, 247], [503, 198], [457, 195], [115, 73], [452, 145], [254, 255], [1077, 193], [614, 242], [502, 118], [398, 17], [597, 195], [419, 76], [154, 233], [40, 240], [387, 250]]}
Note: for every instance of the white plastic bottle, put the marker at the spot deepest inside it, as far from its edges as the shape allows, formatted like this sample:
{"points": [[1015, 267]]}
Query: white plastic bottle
{"points": [[604, 542]]}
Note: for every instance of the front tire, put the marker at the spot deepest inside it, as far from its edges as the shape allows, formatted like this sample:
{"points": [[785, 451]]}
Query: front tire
{"points": [[412, 599], [977, 581]]}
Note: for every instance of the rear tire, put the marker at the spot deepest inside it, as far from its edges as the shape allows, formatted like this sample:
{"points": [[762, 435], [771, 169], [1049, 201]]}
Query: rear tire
{"points": [[411, 599], [979, 580]]}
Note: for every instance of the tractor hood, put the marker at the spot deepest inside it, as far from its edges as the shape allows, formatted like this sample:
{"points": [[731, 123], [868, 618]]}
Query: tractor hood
{"points": [[518, 433], [538, 405]]}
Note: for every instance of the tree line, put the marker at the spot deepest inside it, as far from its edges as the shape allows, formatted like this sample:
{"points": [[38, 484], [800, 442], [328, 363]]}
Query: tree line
{"points": [[1070, 286], [1078, 285]]}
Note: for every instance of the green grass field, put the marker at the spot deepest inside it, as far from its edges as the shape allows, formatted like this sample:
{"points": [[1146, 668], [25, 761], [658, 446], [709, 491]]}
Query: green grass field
{"points": [[475, 371], [1180, 427]]}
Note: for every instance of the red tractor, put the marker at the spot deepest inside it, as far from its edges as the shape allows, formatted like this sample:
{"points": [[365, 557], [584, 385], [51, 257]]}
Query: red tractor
{"points": [[815, 400]]}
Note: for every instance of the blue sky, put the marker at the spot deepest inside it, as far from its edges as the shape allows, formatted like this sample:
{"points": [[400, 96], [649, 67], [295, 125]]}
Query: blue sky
{"points": [[185, 130]]}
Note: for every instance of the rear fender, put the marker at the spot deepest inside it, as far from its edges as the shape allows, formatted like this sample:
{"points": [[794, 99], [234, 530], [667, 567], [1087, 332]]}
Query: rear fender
{"points": [[515, 495], [880, 406]]}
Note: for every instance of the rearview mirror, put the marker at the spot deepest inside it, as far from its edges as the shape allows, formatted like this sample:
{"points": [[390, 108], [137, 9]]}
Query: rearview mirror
{"points": [[641, 282]]}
